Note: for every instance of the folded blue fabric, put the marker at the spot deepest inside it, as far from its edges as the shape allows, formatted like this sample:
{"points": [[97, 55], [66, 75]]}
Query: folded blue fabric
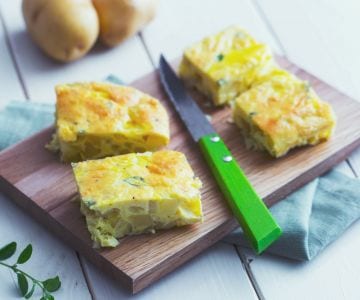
{"points": [[311, 218], [21, 119]]}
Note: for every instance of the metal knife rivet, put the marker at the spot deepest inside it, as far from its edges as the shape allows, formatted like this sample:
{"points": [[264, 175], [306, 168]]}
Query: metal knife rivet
{"points": [[215, 139], [227, 158]]}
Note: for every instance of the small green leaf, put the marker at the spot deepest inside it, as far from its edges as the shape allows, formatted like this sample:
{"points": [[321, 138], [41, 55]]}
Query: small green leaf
{"points": [[52, 284], [47, 297], [7, 251], [25, 255], [23, 284], [29, 294]]}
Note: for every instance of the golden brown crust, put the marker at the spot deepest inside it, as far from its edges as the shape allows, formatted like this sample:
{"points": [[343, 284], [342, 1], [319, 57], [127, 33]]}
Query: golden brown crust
{"points": [[283, 112], [100, 119], [137, 193]]}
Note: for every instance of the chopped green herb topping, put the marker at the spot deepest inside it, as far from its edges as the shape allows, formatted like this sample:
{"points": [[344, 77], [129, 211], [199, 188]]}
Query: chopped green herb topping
{"points": [[219, 57], [89, 202], [135, 180], [110, 105], [221, 82], [307, 86], [81, 131], [253, 113]]}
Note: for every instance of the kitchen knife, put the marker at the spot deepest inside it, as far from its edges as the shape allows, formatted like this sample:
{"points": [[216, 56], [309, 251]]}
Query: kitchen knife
{"points": [[250, 211]]}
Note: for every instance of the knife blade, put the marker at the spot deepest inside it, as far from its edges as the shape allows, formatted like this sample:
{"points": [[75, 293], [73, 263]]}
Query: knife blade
{"points": [[250, 211]]}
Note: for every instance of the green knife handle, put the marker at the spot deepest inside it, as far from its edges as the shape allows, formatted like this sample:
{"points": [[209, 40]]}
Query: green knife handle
{"points": [[250, 211]]}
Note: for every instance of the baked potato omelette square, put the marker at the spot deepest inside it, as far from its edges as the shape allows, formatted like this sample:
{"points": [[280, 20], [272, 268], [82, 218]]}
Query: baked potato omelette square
{"points": [[95, 120], [281, 113], [137, 193], [224, 65]]}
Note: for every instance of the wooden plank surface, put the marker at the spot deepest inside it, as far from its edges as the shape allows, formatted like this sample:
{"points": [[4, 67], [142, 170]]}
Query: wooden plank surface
{"points": [[18, 226], [180, 23], [272, 181], [215, 274], [319, 36], [10, 85]]}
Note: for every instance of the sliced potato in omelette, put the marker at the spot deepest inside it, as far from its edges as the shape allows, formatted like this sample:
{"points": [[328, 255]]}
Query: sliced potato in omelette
{"points": [[224, 65], [137, 193], [282, 112], [95, 120]]}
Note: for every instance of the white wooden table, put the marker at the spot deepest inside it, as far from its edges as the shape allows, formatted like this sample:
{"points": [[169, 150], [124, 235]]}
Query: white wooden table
{"points": [[321, 36]]}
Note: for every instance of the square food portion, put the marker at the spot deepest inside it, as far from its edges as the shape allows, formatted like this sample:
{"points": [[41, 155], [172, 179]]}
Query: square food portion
{"points": [[226, 64], [281, 113], [137, 193], [95, 120]]}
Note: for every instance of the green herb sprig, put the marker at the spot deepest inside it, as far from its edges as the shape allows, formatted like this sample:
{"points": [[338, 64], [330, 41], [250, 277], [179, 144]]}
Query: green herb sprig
{"points": [[47, 286]]}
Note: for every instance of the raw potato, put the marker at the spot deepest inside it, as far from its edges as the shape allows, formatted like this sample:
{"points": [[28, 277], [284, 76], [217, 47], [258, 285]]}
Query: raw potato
{"points": [[63, 29], [120, 19]]}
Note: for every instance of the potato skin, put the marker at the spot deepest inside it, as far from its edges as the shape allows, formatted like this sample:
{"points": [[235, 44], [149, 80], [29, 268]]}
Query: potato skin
{"points": [[120, 19], [63, 29]]}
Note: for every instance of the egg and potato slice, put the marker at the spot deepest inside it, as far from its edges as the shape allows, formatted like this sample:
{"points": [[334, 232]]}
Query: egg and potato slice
{"points": [[137, 193], [275, 110], [95, 120]]}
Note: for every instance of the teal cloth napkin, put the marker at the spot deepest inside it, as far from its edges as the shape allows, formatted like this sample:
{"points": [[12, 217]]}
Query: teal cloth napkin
{"points": [[311, 218]]}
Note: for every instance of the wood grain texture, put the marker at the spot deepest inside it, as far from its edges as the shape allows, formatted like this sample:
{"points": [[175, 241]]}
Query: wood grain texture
{"points": [[140, 260], [169, 32], [10, 86], [215, 274], [321, 37]]}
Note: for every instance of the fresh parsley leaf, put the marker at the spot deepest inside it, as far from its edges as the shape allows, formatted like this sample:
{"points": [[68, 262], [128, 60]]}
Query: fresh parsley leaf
{"points": [[29, 294], [25, 255], [7, 251], [48, 286], [47, 297], [52, 284], [22, 283]]}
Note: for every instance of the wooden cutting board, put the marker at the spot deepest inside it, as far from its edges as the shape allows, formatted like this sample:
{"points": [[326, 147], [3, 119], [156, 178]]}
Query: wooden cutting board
{"points": [[36, 180]]}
